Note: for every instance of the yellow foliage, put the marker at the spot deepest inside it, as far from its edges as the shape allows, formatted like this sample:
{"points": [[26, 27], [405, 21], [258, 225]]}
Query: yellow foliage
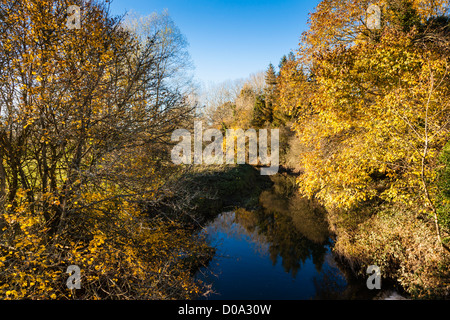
{"points": [[121, 257], [375, 108], [82, 153]]}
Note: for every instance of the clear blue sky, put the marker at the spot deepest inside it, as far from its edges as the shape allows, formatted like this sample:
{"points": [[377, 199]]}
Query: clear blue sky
{"points": [[231, 39]]}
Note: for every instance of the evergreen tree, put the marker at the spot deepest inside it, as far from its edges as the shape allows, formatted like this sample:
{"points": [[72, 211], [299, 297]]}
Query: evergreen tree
{"points": [[404, 15], [283, 61], [271, 83], [271, 78], [291, 56], [259, 111]]}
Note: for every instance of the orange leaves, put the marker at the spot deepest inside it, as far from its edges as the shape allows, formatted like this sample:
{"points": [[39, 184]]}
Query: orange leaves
{"points": [[366, 104], [82, 153], [124, 258]]}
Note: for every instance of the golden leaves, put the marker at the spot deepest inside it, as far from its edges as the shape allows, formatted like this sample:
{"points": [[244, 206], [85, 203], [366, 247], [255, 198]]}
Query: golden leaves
{"points": [[78, 162], [364, 106]]}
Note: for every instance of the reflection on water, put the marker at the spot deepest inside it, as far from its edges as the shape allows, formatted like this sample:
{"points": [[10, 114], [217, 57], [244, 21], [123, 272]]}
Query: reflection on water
{"points": [[280, 251], [295, 230]]}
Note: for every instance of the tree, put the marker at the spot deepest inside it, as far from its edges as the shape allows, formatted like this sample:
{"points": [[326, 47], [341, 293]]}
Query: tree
{"points": [[271, 80], [85, 123], [371, 112], [269, 92], [342, 23], [175, 69], [283, 61], [291, 56], [244, 106], [259, 117], [219, 102], [257, 82], [372, 115], [443, 206]]}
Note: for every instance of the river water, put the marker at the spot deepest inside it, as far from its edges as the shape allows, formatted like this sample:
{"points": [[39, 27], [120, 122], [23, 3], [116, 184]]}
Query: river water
{"points": [[282, 250]]}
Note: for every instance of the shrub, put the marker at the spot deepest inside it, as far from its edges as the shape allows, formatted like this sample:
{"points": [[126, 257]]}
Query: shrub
{"points": [[443, 207], [403, 246]]}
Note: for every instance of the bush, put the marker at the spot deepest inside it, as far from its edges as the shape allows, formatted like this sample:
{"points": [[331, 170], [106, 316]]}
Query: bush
{"points": [[121, 253], [443, 207], [403, 246]]}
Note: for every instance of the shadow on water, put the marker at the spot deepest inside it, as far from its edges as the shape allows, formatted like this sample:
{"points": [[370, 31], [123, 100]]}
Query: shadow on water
{"points": [[282, 250]]}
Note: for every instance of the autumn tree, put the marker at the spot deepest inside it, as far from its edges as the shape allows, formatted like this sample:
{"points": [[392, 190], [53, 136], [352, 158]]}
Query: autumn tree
{"points": [[342, 89], [244, 106], [372, 116], [85, 122], [285, 59]]}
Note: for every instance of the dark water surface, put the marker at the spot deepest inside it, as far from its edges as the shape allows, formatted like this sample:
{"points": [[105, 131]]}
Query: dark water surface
{"points": [[281, 251]]}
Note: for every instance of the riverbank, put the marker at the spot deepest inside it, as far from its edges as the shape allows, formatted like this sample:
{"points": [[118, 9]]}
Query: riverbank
{"points": [[224, 187], [316, 223], [280, 249], [373, 234], [401, 244]]}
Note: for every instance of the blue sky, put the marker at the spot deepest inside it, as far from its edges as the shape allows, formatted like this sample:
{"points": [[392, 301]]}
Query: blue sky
{"points": [[231, 39]]}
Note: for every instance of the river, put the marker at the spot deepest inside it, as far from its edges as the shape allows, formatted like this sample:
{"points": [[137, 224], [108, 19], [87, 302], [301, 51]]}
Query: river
{"points": [[282, 250]]}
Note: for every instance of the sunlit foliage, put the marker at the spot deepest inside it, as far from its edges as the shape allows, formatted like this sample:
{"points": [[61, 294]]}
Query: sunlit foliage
{"points": [[85, 122], [372, 115], [371, 111]]}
